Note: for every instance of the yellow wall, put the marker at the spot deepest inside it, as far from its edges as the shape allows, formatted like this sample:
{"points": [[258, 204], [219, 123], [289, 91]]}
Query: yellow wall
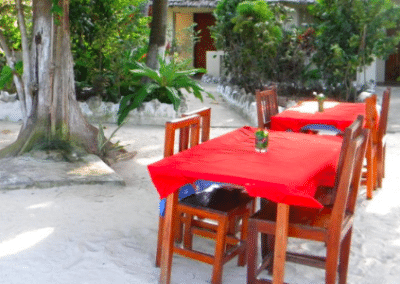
{"points": [[183, 34], [182, 18]]}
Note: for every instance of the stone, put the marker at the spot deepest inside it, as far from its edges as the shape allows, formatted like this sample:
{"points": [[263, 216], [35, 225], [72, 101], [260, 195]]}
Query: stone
{"points": [[10, 111], [29, 171], [94, 103], [6, 97]]}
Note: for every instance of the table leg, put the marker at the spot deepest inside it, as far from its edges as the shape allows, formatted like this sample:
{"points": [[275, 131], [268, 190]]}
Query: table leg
{"points": [[168, 238], [282, 225]]}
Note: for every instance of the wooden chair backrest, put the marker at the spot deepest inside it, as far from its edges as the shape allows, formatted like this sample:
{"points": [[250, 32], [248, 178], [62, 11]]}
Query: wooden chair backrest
{"points": [[371, 116], [357, 173], [267, 106], [350, 132], [349, 181], [205, 114], [383, 118], [189, 128]]}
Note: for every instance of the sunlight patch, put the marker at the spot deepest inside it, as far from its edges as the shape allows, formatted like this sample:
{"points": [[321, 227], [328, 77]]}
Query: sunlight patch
{"points": [[93, 169], [384, 201], [24, 241], [40, 205], [150, 148], [148, 161]]}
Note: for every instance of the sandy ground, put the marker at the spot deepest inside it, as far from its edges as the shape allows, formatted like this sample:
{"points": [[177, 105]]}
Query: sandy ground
{"points": [[99, 234]]}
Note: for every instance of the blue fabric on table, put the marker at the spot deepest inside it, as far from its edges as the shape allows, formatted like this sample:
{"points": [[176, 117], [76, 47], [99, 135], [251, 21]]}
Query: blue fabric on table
{"points": [[188, 190], [324, 127]]}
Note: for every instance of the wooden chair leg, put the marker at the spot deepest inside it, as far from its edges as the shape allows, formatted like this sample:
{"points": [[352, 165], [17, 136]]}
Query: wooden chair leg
{"points": [[243, 236], [344, 257], [380, 166], [179, 228], [267, 241], [219, 251], [159, 240], [332, 261], [188, 236], [167, 245], [267, 248], [252, 252], [375, 178], [370, 173], [383, 160], [282, 227]]}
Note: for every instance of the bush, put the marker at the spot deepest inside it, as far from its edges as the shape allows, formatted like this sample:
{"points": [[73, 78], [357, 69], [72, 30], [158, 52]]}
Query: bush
{"points": [[165, 84]]}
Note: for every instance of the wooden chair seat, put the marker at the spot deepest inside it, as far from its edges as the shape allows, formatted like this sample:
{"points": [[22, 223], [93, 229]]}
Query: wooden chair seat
{"points": [[316, 219], [225, 214], [331, 225]]}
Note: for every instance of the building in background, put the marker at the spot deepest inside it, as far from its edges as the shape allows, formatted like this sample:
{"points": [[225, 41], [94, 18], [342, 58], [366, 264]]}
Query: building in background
{"points": [[190, 18]]}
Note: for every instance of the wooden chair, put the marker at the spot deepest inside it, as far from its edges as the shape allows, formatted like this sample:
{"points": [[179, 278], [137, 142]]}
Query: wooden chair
{"points": [[205, 125], [267, 106], [189, 129], [205, 115], [381, 145], [375, 169], [224, 213], [371, 122], [332, 225], [326, 195]]}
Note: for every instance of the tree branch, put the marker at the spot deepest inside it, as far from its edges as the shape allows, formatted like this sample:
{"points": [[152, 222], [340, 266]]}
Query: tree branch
{"points": [[25, 54], [6, 49], [17, 79]]}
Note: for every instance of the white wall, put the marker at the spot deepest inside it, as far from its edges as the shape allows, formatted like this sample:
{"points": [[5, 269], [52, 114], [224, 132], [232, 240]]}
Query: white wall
{"points": [[373, 73], [214, 61]]}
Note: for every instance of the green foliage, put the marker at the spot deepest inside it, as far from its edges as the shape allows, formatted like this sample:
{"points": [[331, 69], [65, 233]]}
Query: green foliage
{"points": [[222, 31], [289, 67], [57, 11], [8, 25], [250, 34], [165, 84], [6, 75], [257, 10], [107, 38], [350, 33]]}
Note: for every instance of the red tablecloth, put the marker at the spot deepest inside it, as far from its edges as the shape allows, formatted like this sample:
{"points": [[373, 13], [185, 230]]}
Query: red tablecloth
{"points": [[340, 116], [289, 172]]}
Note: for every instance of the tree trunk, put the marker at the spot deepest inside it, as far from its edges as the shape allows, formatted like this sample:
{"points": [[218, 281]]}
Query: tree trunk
{"points": [[157, 33], [55, 113]]}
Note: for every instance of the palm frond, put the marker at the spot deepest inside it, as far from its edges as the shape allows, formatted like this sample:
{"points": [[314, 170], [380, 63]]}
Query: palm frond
{"points": [[173, 95], [144, 71]]}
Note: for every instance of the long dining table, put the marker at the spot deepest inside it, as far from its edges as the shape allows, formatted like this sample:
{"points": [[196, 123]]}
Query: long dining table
{"points": [[337, 114], [289, 173]]}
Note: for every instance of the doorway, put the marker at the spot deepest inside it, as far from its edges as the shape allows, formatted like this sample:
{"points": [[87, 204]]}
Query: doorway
{"points": [[205, 42]]}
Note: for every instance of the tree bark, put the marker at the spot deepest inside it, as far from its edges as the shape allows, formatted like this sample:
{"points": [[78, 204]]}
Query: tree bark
{"points": [[158, 31], [25, 98], [55, 113]]}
